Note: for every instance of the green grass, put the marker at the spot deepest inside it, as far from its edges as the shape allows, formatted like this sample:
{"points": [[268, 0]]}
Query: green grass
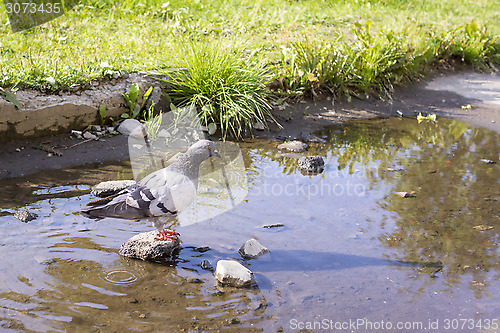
{"points": [[102, 37], [227, 86], [309, 47], [373, 62]]}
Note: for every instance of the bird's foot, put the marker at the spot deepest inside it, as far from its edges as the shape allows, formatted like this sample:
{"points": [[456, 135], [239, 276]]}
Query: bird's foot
{"points": [[167, 235]]}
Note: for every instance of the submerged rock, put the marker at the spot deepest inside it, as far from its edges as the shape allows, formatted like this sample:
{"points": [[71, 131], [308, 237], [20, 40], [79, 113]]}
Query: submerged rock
{"points": [[311, 164], [105, 189], [145, 246], [232, 273], [289, 155], [307, 137], [295, 146], [252, 249], [25, 215]]}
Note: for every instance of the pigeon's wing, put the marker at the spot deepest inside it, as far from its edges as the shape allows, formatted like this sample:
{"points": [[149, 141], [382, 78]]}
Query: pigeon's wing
{"points": [[115, 206], [163, 193], [170, 189], [161, 178], [154, 202], [109, 198]]}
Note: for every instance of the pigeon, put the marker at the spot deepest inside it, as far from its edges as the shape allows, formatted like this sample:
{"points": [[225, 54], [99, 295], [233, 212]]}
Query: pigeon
{"points": [[159, 196]]}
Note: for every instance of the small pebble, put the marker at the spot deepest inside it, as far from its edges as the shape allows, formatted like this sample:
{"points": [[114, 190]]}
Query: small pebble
{"points": [[212, 128], [202, 249], [76, 134], [25, 216], [405, 194], [259, 126], [252, 249], [90, 136], [206, 265], [95, 128]]}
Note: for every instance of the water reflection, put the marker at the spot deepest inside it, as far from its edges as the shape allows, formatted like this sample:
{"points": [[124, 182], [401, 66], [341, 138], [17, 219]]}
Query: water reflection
{"points": [[348, 247], [454, 190]]}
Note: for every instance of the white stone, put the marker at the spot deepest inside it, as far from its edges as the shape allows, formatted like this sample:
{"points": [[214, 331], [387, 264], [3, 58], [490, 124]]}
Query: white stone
{"points": [[76, 134], [164, 134], [212, 128], [230, 272], [128, 125]]}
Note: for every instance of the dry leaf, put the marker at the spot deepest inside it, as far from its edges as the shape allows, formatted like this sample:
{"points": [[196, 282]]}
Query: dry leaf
{"points": [[483, 227], [405, 194]]}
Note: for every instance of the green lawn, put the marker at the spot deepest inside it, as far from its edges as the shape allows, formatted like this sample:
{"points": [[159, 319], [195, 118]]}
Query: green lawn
{"points": [[99, 37], [307, 47]]}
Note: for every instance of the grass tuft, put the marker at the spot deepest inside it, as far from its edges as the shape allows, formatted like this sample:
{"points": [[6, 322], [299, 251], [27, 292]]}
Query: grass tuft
{"points": [[227, 87]]}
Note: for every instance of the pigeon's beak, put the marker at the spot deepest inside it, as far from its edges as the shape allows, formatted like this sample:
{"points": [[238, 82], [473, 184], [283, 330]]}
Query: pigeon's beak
{"points": [[215, 152]]}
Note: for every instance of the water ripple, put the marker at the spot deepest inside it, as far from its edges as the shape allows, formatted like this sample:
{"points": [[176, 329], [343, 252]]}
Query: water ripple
{"points": [[120, 277]]}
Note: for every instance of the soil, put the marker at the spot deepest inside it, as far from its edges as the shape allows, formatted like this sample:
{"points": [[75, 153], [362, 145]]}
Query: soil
{"points": [[445, 96]]}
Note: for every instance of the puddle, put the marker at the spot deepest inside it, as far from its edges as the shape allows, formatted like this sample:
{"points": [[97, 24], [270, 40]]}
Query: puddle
{"points": [[350, 250]]}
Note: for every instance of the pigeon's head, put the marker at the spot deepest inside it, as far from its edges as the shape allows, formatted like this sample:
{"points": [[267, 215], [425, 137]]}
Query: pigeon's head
{"points": [[205, 148]]}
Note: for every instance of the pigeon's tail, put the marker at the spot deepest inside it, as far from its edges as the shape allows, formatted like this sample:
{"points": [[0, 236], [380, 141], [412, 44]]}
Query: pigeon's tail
{"points": [[117, 209]]}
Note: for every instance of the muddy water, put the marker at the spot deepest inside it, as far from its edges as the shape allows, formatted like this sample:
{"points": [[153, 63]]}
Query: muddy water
{"points": [[351, 255]]}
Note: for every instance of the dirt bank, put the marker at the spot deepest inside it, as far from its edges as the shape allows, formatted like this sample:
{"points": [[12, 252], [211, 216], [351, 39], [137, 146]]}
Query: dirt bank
{"points": [[448, 96], [43, 114]]}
